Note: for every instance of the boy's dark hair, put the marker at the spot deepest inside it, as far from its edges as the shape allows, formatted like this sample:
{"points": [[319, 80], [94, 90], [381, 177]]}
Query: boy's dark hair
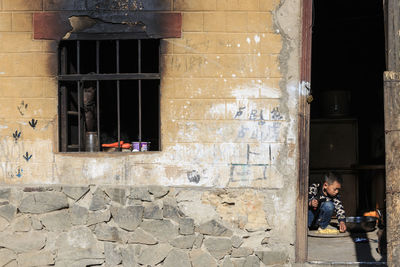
{"points": [[331, 177]]}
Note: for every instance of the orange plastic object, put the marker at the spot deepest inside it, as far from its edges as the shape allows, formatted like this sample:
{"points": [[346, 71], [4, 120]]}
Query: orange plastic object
{"points": [[373, 213], [114, 144], [126, 145]]}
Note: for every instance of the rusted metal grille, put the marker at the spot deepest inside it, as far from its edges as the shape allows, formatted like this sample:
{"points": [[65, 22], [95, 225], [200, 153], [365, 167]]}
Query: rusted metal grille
{"points": [[109, 88]]}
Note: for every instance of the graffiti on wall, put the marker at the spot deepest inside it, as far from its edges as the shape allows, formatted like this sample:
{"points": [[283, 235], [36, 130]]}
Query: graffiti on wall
{"points": [[16, 136], [249, 171], [193, 176], [259, 114], [269, 132], [12, 147], [27, 157], [22, 108], [33, 123]]}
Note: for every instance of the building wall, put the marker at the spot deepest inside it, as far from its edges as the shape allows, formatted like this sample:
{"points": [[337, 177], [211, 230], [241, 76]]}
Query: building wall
{"points": [[230, 87]]}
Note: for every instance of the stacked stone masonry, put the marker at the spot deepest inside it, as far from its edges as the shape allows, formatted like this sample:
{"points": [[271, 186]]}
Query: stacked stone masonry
{"points": [[130, 226]]}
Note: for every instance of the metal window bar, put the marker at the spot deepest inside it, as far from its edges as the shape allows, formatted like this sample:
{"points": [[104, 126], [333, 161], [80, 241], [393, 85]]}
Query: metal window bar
{"points": [[79, 78], [78, 83], [159, 101], [140, 90], [98, 91], [110, 77], [64, 101], [118, 99]]}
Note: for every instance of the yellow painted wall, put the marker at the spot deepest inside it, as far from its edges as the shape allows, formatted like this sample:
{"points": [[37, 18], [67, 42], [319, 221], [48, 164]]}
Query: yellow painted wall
{"points": [[236, 60]]}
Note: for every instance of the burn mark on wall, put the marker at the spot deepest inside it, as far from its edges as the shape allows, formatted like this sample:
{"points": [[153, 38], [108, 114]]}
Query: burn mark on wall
{"points": [[115, 5], [79, 24], [33, 123], [22, 108], [89, 25], [16, 136], [27, 157], [193, 176]]}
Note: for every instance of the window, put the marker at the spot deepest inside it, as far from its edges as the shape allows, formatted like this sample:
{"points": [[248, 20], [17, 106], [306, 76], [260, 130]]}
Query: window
{"points": [[109, 93]]}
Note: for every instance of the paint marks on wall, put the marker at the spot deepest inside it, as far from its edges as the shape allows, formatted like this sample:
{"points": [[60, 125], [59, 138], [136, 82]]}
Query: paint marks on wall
{"points": [[19, 172], [267, 132], [256, 115], [193, 176], [248, 172], [239, 113], [22, 107], [276, 114], [16, 136], [33, 123], [27, 157], [14, 172], [259, 115]]}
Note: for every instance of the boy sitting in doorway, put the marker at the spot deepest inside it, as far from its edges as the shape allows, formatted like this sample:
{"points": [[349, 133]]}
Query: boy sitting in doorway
{"points": [[323, 201]]}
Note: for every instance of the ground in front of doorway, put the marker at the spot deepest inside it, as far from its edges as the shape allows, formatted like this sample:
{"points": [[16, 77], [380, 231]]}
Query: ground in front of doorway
{"points": [[344, 249]]}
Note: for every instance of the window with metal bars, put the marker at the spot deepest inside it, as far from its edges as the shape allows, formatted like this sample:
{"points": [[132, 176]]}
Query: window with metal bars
{"points": [[109, 96]]}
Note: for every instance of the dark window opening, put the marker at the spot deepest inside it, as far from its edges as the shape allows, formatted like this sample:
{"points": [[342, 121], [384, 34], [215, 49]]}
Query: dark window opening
{"points": [[109, 93]]}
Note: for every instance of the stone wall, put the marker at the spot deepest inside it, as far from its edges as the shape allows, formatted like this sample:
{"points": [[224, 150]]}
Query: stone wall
{"points": [[136, 226]]}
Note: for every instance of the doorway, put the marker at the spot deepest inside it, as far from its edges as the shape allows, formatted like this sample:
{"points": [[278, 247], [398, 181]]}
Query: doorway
{"points": [[347, 119]]}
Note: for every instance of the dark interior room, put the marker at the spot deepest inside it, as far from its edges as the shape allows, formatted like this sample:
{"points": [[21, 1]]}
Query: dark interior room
{"points": [[347, 112]]}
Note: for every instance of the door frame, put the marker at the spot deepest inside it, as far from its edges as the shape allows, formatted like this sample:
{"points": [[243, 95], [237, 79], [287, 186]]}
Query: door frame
{"points": [[391, 82], [303, 133]]}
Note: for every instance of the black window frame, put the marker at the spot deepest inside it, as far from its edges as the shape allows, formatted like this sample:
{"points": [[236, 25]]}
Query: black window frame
{"points": [[79, 78]]}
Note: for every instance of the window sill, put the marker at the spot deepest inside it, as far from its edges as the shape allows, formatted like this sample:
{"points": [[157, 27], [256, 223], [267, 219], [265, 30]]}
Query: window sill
{"points": [[105, 154]]}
